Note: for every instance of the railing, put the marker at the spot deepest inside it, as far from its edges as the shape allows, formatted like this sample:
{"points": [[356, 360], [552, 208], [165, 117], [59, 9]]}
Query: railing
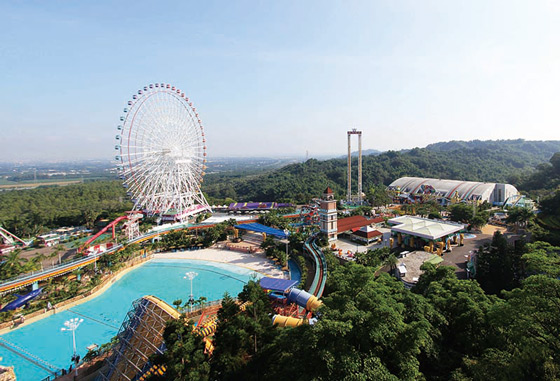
{"points": [[203, 306], [64, 268]]}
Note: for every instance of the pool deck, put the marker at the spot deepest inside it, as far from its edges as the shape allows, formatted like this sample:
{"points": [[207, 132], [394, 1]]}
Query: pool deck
{"points": [[252, 261]]}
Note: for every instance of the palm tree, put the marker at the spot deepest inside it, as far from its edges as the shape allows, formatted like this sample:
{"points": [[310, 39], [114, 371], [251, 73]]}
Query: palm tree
{"points": [[519, 217], [13, 265], [177, 303], [198, 302], [392, 262], [57, 250], [37, 261]]}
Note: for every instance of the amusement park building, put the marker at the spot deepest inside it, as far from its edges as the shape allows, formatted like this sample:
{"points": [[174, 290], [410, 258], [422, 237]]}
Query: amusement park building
{"points": [[454, 190]]}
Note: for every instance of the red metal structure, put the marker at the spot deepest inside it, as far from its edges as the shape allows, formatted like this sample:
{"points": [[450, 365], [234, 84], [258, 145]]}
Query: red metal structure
{"points": [[10, 238], [99, 233]]}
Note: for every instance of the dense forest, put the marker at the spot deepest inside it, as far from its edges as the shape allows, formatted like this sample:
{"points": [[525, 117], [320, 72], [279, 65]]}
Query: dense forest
{"points": [[544, 185], [29, 212], [531, 150], [502, 161]]}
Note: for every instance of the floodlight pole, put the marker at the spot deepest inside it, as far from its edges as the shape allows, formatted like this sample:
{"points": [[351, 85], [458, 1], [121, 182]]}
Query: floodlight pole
{"points": [[72, 325], [190, 276]]}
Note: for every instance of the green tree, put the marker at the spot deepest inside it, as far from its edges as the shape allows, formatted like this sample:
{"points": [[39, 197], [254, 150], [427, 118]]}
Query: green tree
{"points": [[498, 265], [462, 212], [370, 328], [241, 335], [373, 258], [542, 258], [463, 331], [526, 342], [274, 219], [184, 357], [520, 217], [177, 303], [13, 265], [378, 195]]}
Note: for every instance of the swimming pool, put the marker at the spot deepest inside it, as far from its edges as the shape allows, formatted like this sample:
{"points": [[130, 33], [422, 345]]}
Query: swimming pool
{"points": [[104, 314]]}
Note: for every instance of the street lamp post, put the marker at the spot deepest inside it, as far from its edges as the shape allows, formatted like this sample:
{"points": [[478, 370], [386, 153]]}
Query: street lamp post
{"points": [[190, 276], [72, 325]]}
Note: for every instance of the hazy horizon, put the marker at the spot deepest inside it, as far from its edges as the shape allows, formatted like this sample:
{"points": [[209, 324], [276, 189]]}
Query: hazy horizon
{"points": [[280, 79]]}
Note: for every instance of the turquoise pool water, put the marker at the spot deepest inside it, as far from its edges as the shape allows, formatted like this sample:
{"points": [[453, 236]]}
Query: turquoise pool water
{"points": [[104, 314]]}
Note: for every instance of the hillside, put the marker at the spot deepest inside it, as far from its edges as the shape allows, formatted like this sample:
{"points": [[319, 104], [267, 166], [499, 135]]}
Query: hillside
{"points": [[490, 161], [533, 152]]}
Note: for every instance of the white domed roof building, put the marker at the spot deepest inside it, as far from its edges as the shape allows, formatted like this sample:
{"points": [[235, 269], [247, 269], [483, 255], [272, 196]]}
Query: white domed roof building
{"points": [[416, 188]]}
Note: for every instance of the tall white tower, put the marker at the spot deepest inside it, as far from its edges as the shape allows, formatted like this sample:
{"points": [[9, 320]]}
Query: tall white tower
{"points": [[327, 215], [349, 198]]}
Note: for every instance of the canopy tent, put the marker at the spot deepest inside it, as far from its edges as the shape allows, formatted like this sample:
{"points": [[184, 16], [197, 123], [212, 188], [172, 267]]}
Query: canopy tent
{"points": [[424, 228], [260, 228]]}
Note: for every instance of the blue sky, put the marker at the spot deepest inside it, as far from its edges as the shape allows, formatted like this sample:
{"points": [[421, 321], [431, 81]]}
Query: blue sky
{"points": [[273, 78]]}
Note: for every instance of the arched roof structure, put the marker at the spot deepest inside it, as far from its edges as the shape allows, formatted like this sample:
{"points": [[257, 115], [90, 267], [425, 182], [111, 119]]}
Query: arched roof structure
{"points": [[461, 190]]}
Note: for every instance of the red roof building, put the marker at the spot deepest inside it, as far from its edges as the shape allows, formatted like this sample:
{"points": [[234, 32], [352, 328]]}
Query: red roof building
{"points": [[350, 223], [368, 233], [356, 222]]}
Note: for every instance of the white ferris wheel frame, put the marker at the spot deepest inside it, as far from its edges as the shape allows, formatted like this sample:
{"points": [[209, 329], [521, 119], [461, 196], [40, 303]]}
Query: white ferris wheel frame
{"points": [[162, 153]]}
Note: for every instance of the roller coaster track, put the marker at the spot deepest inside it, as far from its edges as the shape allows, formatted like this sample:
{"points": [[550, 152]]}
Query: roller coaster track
{"points": [[29, 356], [65, 268], [317, 256]]}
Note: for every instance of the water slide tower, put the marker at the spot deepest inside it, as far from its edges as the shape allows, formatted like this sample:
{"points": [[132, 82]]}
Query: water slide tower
{"points": [[358, 198]]}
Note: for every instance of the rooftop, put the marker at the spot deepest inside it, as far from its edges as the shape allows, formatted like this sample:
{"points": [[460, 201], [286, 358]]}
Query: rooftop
{"points": [[356, 222], [423, 227], [368, 232], [349, 223], [275, 284]]}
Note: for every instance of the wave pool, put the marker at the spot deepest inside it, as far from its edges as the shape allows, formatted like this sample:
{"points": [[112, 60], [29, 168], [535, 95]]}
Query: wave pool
{"points": [[104, 314]]}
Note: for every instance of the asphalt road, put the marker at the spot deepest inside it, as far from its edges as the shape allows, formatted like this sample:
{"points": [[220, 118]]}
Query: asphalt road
{"points": [[458, 257]]}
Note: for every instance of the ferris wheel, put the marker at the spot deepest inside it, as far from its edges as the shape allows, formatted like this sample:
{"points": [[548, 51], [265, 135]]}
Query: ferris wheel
{"points": [[162, 153]]}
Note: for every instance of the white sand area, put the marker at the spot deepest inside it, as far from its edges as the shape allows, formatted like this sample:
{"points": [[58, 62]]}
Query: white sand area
{"points": [[256, 262]]}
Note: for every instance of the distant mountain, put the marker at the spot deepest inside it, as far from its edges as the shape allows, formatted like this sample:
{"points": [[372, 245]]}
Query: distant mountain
{"points": [[365, 152]]}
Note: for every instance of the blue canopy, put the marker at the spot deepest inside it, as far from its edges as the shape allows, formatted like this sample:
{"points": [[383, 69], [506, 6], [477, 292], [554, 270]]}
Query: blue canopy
{"points": [[260, 228], [274, 284]]}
